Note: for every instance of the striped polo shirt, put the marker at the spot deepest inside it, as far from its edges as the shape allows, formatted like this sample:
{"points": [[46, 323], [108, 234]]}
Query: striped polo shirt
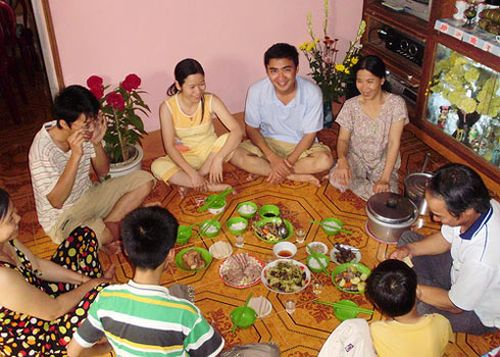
{"points": [[145, 320]]}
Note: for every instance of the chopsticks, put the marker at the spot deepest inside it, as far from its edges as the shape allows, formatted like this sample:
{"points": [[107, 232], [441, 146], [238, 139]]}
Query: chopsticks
{"points": [[339, 305]]}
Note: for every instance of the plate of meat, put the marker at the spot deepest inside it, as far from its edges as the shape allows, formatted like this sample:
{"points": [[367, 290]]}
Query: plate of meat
{"points": [[343, 253], [241, 271], [193, 259]]}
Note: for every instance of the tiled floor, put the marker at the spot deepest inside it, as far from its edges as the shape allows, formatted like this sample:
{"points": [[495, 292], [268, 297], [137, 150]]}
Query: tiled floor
{"points": [[300, 334]]}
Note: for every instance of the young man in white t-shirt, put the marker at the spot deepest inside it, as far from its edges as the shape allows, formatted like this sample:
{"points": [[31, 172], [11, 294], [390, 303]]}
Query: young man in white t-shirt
{"points": [[283, 113], [60, 158], [458, 268]]}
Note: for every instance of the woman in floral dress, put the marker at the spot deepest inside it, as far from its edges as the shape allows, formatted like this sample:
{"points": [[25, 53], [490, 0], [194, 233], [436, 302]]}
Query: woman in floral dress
{"points": [[42, 302], [371, 125]]}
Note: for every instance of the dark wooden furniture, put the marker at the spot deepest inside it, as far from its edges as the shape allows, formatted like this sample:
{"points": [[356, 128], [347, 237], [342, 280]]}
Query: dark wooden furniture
{"points": [[377, 16]]}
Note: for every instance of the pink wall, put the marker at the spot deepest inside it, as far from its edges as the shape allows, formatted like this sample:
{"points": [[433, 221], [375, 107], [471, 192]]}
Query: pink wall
{"points": [[112, 38]]}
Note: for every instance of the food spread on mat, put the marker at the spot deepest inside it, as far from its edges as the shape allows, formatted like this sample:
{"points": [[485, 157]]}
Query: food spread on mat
{"points": [[193, 260], [247, 209], [238, 226], [344, 254], [351, 280], [286, 277], [241, 270], [272, 231], [317, 247]]}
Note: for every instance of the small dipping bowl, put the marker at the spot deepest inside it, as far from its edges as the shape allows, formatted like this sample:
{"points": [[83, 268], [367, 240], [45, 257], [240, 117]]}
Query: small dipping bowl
{"points": [[235, 222], [284, 250], [314, 265], [205, 229], [269, 211], [344, 313], [318, 247], [331, 226], [243, 316], [184, 233], [247, 209], [218, 207]]}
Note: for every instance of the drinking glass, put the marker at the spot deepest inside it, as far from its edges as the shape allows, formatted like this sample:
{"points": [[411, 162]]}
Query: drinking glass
{"points": [[317, 287], [300, 235], [239, 241], [290, 306]]}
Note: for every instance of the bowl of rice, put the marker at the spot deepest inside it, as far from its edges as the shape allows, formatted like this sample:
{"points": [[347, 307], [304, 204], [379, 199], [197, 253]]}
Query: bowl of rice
{"points": [[210, 228], [237, 225], [247, 209]]}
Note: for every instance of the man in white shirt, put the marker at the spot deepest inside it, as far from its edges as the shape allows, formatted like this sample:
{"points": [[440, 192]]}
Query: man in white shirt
{"points": [[458, 268], [283, 113], [60, 158]]}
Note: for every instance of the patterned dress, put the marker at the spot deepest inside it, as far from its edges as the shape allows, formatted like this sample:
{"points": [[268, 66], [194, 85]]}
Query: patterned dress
{"points": [[24, 335], [369, 140]]}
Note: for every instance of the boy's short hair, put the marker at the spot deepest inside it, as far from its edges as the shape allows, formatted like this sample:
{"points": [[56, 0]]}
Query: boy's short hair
{"points": [[73, 101], [148, 234], [281, 50], [392, 288]]}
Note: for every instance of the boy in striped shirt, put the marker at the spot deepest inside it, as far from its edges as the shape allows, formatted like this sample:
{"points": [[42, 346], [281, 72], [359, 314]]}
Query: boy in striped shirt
{"points": [[142, 318]]}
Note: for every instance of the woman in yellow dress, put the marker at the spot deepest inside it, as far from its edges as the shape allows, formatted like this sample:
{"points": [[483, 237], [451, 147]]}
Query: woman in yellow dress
{"points": [[195, 155]]}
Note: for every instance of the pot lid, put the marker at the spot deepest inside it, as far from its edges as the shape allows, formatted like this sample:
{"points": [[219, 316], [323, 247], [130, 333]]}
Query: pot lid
{"points": [[416, 183], [391, 207]]}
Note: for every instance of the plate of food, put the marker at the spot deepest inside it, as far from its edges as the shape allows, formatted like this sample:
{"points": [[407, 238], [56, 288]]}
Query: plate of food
{"points": [[193, 259], [286, 276], [343, 253], [273, 229], [241, 271], [351, 277]]}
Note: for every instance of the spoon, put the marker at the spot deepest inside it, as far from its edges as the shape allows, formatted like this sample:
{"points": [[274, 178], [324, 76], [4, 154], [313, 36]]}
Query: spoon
{"points": [[341, 305]]}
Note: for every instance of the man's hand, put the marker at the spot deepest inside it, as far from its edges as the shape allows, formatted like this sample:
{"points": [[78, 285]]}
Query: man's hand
{"points": [[342, 172], [280, 169], [215, 175], [100, 128], [76, 141], [401, 253]]}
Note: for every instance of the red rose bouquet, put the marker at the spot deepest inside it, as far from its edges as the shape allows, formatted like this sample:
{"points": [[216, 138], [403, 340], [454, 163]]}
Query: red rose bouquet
{"points": [[120, 106]]}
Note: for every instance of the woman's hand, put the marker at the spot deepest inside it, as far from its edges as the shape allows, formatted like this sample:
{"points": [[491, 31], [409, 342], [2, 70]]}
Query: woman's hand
{"points": [[381, 186], [215, 175], [342, 172], [198, 182], [100, 128]]}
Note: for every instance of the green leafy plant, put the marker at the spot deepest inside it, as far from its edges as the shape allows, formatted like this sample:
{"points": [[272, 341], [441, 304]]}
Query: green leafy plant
{"points": [[331, 76], [120, 106]]}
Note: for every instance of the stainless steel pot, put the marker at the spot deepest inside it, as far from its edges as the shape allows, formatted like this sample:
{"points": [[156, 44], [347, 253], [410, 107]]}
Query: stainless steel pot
{"points": [[389, 215], [415, 185]]}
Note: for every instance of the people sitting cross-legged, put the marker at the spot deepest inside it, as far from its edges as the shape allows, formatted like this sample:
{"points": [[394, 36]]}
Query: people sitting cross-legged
{"points": [[60, 159], [143, 318], [458, 268], [371, 125], [42, 302], [195, 155], [283, 113], [392, 288]]}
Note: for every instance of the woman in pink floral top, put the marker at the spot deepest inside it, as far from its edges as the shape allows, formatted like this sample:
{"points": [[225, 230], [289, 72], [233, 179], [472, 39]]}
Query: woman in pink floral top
{"points": [[371, 125]]}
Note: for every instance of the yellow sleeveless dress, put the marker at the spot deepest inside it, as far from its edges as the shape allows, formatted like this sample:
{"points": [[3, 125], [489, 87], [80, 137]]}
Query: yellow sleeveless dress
{"points": [[195, 138]]}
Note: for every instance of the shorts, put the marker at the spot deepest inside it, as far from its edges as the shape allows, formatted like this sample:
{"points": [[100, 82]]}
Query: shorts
{"points": [[281, 148], [96, 204]]}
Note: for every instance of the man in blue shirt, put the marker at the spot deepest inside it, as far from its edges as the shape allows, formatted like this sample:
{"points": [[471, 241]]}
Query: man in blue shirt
{"points": [[283, 113]]}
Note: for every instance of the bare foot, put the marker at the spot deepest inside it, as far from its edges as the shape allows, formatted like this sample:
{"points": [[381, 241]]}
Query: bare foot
{"points": [[305, 178], [251, 177], [182, 191], [217, 187], [109, 273], [112, 248]]}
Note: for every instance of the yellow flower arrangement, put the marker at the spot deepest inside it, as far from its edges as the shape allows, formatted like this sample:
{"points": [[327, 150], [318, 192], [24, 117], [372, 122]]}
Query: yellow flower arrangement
{"points": [[331, 77]]}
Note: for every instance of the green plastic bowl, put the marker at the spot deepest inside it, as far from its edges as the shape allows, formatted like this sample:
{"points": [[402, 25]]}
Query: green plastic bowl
{"points": [[331, 226], [244, 204], [343, 267], [243, 316], [313, 264], [346, 314], [205, 255], [263, 221], [236, 220], [269, 211], [204, 227], [184, 233]]}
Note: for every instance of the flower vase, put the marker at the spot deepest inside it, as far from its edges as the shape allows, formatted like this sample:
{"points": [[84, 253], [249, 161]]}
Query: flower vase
{"points": [[328, 115]]}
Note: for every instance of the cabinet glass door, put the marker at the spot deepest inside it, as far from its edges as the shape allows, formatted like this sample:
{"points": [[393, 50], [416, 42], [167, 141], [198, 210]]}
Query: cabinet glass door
{"points": [[464, 102]]}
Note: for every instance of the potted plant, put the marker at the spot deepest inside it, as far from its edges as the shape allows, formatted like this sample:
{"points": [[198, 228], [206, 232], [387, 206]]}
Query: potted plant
{"points": [[331, 76], [121, 107]]}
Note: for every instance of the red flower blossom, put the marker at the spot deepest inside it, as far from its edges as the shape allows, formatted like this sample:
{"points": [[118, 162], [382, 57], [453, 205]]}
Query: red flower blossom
{"points": [[97, 92], [131, 82], [116, 100], [94, 82]]}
